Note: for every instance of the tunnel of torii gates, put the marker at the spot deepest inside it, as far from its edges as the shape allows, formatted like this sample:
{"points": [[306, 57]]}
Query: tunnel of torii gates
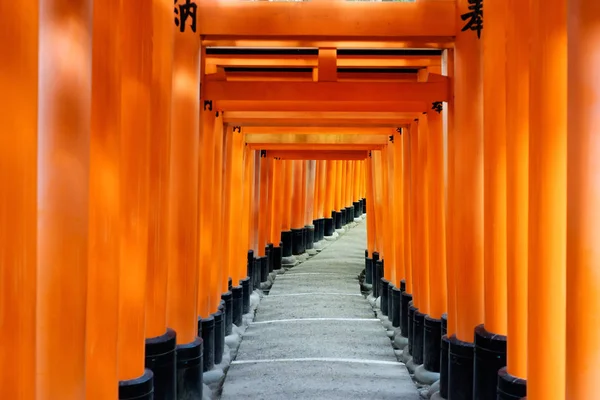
{"points": [[156, 159]]}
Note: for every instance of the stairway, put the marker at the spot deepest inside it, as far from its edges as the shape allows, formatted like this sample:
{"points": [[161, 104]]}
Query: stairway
{"points": [[316, 337]]}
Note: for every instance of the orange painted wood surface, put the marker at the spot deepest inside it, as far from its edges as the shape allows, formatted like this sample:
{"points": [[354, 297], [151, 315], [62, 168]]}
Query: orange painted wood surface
{"points": [[407, 205], [583, 194], [547, 200], [18, 198], [468, 171], [517, 184], [64, 98], [183, 200], [102, 322], [494, 163]]}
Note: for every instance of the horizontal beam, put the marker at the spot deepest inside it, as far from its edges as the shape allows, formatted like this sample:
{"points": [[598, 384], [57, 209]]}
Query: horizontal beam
{"points": [[340, 42], [319, 130], [314, 147], [312, 61], [318, 155], [327, 91], [327, 18], [316, 118], [332, 139], [356, 106]]}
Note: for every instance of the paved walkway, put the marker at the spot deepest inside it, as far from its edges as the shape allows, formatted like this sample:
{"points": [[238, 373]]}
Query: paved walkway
{"points": [[316, 337]]}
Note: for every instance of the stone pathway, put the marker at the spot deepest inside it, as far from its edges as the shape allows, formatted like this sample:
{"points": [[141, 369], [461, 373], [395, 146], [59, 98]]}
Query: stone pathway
{"points": [[316, 337]]}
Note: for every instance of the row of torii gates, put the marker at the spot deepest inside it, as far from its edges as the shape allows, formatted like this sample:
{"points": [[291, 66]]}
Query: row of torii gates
{"points": [[145, 148]]}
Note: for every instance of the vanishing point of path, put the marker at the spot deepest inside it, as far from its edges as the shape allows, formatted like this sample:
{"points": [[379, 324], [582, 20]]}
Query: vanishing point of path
{"points": [[316, 337]]}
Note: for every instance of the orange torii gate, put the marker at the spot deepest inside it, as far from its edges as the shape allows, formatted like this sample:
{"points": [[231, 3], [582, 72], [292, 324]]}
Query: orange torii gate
{"points": [[129, 199]]}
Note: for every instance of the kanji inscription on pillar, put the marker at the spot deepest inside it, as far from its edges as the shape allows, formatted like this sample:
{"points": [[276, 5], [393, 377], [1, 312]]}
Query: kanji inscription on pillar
{"points": [[474, 17], [185, 10]]}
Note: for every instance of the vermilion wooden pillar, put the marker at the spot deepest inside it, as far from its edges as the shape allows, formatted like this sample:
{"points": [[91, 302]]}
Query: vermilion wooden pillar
{"points": [[517, 194], [18, 197], [407, 207], [237, 251], [398, 204], [468, 221], [160, 149], [386, 215], [547, 200], [415, 239], [183, 199], [490, 337], [277, 202], [101, 380], [64, 101], [205, 218], [583, 195], [288, 190], [135, 156], [218, 272], [371, 220]]}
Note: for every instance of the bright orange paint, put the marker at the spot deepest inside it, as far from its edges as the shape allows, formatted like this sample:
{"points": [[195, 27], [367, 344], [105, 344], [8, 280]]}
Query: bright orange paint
{"points": [[218, 272], [65, 59], [494, 162], [468, 171], [101, 379], [183, 199], [583, 196], [547, 200], [415, 203], [158, 246], [288, 173], [18, 198], [517, 184], [407, 206]]}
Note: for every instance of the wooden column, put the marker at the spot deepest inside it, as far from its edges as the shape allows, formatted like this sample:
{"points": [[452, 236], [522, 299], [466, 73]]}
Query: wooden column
{"points": [[315, 213], [423, 186], [297, 212], [468, 170], [218, 272], [398, 205], [329, 189], [370, 195], [278, 204], [101, 379], [547, 200], [311, 166], [205, 218], [407, 204], [183, 206], [135, 156], [517, 184], [583, 196], [378, 204], [235, 199], [19, 51], [415, 203], [263, 205], [339, 173], [160, 148], [63, 157], [436, 220], [287, 190], [494, 160]]}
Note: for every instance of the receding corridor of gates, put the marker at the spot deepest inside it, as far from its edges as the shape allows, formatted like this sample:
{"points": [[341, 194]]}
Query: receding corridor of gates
{"points": [[279, 199]]}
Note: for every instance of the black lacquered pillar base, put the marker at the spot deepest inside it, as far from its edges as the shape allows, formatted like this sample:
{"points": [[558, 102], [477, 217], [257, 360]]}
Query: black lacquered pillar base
{"points": [[309, 238], [250, 264], [349, 214], [261, 263], [344, 216], [417, 331], [237, 293], [228, 298], [277, 257], [297, 241], [246, 295], [377, 275], [189, 370], [510, 387], [432, 342], [460, 369], [270, 247], [390, 301], [328, 226], [396, 296], [364, 205], [206, 330], [286, 240], [490, 356], [384, 283], [375, 256], [368, 269], [219, 334], [445, 346], [404, 314], [141, 388], [411, 324], [160, 359], [338, 220], [356, 205]]}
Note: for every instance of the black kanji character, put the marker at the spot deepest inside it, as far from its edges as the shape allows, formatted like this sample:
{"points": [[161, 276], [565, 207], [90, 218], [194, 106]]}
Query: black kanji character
{"points": [[475, 17], [437, 106], [185, 11]]}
